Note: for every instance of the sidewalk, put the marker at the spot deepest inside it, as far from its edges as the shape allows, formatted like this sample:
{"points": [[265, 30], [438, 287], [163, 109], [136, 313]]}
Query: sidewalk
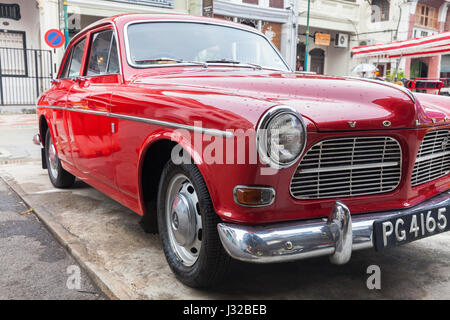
{"points": [[105, 238], [16, 133], [17, 109]]}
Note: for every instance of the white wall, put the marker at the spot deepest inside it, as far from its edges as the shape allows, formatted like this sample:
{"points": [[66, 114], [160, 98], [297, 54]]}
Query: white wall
{"points": [[337, 15], [28, 23], [337, 60], [332, 17], [382, 31]]}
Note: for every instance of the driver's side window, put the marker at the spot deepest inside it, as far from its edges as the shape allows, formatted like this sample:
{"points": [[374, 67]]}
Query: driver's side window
{"points": [[103, 56]]}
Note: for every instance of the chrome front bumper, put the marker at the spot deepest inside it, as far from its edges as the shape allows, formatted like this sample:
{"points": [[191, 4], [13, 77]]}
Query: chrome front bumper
{"points": [[335, 237]]}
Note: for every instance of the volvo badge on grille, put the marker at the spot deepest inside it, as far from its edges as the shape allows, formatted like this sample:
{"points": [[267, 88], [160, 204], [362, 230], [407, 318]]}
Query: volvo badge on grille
{"points": [[444, 144]]}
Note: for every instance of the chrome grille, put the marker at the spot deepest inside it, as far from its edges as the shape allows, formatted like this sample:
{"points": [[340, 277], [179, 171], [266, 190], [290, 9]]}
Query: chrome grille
{"points": [[433, 158], [348, 167]]}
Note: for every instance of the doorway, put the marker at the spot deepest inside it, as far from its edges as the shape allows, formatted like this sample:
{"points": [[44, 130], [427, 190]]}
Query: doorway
{"points": [[300, 61], [317, 60], [419, 69]]}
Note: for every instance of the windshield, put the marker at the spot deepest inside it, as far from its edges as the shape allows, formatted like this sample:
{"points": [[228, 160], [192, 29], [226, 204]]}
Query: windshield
{"points": [[156, 43]]}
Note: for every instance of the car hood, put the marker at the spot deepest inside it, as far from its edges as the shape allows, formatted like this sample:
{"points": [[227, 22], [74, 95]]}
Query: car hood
{"points": [[331, 103]]}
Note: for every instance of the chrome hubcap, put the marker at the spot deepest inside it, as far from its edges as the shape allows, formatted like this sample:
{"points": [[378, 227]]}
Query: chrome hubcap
{"points": [[53, 159], [184, 223]]}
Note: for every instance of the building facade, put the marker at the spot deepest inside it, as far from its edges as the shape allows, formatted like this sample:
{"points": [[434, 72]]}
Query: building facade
{"points": [[35, 17], [28, 64], [396, 20], [426, 18], [332, 24], [81, 13], [275, 18]]}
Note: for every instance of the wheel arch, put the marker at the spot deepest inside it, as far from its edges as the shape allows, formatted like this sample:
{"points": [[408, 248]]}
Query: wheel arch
{"points": [[43, 127], [161, 144], [45, 124]]}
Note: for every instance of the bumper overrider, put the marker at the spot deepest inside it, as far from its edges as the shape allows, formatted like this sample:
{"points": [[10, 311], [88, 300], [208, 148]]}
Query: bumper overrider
{"points": [[336, 237]]}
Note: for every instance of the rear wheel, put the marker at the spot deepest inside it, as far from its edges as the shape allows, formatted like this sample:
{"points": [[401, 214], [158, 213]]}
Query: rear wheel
{"points": [[187, 226], [59, 177]]}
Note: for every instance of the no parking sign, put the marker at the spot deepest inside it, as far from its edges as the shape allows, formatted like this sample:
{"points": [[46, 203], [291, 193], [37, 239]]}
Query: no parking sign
{"points": [[54, 38]]}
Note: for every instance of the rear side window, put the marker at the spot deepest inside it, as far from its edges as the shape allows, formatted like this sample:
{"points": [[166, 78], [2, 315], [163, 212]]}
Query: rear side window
{"points": [[66, 65], [73, 63], [103, 58]]}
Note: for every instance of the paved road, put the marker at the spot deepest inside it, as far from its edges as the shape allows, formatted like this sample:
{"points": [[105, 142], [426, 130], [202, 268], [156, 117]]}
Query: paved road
{"points": [[33, 264]]}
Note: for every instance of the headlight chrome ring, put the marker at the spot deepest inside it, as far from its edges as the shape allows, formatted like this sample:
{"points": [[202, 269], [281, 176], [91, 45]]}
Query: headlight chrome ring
{"points": [[263, 144]]}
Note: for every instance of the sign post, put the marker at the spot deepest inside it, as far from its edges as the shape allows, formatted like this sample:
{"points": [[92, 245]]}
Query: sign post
{"points": [[307, 37], [66, 24], [54, 38]]}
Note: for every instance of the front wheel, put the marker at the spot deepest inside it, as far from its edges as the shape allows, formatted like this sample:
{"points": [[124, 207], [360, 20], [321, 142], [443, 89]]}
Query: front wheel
{"points": [[59, 177], [187, 226]]}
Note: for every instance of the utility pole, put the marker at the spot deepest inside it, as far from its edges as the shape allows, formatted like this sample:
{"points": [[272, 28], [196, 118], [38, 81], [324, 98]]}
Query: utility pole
{"points": [[305, 68], [293, 34], [66, 24]]}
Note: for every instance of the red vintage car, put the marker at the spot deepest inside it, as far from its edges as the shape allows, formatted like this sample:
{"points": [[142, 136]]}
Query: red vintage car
{"points": [[200, 126]]}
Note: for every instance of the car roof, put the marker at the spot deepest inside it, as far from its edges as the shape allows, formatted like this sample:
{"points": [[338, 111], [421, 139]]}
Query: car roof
{"points": [[122, 19]]}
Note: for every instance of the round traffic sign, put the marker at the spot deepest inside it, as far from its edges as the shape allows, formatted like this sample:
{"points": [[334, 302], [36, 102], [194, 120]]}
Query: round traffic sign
{"points": [[54, 38]]}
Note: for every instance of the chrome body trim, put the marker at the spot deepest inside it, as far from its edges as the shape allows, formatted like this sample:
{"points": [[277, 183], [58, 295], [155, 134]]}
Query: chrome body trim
{"points": [[432, 156], [130, 62], [336, 236], [274, 193], [212, 132], [356, 166]]}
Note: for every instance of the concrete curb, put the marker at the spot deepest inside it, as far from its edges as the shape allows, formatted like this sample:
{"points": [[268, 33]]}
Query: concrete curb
{"points": [[109, 286], [25, 109]]}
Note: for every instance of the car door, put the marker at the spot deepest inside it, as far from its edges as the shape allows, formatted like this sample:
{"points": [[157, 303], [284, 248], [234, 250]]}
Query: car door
{"points": [[57, 98], [90, 99]]}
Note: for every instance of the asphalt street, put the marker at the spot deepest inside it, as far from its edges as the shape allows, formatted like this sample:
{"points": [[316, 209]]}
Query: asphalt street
{"points": [[33, 265]]}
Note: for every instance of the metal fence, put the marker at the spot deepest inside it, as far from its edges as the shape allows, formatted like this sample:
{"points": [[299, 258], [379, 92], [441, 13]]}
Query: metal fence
{"points": [[24, 75]]}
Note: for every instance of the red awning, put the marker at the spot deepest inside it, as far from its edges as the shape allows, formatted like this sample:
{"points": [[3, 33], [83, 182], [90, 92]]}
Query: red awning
{"points": [[420, 47]]}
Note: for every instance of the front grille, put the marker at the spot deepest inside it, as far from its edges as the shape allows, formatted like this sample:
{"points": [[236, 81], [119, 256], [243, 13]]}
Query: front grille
{"points": [[433, 160], [348, 167]]}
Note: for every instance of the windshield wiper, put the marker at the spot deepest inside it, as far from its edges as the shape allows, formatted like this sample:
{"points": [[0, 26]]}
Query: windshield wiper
{"points": [[223, 61], [155, 61], [256, 66], [143, 61]]}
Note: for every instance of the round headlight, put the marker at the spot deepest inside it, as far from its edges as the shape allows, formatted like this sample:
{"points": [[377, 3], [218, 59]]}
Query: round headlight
{"points": [[281, 137]]}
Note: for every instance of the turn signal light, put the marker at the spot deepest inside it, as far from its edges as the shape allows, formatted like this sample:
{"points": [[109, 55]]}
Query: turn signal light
{"points": [[254, 196]]}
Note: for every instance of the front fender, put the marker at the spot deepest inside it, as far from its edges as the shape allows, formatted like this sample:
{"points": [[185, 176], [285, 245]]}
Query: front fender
{"points": [[184, 138]]}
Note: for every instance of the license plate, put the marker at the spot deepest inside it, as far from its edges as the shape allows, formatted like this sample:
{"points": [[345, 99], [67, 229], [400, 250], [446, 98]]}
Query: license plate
{"points": [[410, 227]]}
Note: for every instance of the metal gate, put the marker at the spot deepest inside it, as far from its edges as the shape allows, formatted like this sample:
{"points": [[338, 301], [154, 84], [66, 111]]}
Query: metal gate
{"points": [[24, 75]]}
